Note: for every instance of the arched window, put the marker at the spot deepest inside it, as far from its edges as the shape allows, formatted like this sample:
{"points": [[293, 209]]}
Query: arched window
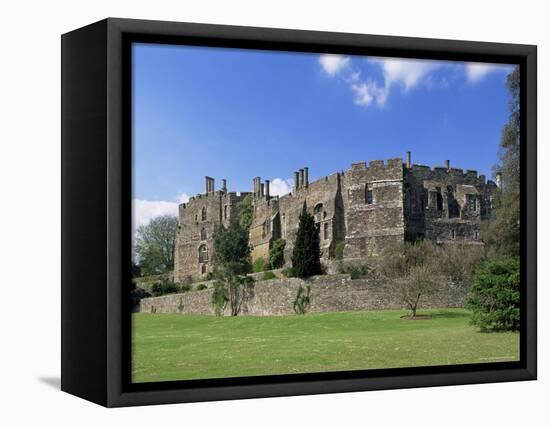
{"points": [[225, 212], [203, 234], [203, 214], [318, 212], [203, 254]]}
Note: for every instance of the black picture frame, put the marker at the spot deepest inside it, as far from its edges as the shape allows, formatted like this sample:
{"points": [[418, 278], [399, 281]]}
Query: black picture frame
{"points": [[96, 211]]}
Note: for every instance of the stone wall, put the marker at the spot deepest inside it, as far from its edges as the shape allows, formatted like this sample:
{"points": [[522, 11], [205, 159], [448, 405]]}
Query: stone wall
{"points": [[369, 207], [329, 293]]}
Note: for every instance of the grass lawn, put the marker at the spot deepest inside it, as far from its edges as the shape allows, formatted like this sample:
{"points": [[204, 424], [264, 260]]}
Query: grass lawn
{"points": [[181, 347]]}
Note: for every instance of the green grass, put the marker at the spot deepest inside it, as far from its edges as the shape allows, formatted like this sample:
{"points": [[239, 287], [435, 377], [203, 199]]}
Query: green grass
{"points": [[181, 347]]}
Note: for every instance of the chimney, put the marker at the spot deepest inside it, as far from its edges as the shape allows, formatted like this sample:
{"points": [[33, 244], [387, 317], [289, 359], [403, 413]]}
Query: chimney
{"points": [[224, 185], [409, 160], [209, 184], [301, 178], [261, 189], [267, 188], [306, 177], [256, 187], [499, 180], [296, 181], [447, 165]]}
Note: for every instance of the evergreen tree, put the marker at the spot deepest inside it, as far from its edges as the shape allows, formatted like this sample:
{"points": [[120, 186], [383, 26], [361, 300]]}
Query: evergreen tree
{"points": [[502, 234], [306, 254]]}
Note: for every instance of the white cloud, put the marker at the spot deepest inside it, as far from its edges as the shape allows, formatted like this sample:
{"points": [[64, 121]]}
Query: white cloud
{"points": [[368, 92], [143, 211], [476, 71], [333, 64], [182, 198], [280, 186], [406, 72]]}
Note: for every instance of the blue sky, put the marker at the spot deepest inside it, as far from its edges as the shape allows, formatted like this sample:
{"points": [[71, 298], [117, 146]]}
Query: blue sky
{"points": [[236, 114]]}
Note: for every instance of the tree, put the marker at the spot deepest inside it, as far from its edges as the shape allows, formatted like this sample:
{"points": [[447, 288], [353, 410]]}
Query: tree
{"points": [[246, 210], [494, 297], [412, 270], [154, 245], [231, 250], [307, 253], [419, 281], [231, 262], [502, 234], [277, 254]]}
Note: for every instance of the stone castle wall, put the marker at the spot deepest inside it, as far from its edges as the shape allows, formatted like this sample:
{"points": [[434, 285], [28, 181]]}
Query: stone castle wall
{"points": [[329, 293], [368, 208]]}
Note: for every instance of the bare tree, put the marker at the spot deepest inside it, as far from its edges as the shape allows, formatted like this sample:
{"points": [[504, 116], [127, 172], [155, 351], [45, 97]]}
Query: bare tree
{"points": [[420, 281]]}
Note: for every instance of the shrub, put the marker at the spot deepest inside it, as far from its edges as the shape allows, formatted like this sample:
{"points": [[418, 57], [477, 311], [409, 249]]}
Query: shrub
{"points": [[303, 300], [356, 270], [259, 265], [277, 254], [287, 272], [339, 250], [220, 297], [268, 275], [137, 294], [494, 295], [202, 287], [160, 288], [184, 287]]}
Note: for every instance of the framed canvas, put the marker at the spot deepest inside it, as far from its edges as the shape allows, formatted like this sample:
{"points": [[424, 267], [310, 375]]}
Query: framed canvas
{"points": [[390, 244]]}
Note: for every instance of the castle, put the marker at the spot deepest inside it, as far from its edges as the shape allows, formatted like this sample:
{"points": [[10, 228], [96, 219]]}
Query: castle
{"points": [[365, 208]]}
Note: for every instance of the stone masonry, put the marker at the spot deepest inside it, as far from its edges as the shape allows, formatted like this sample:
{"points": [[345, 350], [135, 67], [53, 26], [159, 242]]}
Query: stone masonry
{"points": [[329, 293], [365, 208]]}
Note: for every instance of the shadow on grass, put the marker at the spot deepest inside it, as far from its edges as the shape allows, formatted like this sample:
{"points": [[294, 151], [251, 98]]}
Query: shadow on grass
{"points": [[450, 314]]}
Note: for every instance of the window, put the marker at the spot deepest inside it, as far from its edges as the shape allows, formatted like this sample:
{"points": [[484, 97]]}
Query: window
{"points": [[439, 199], [452, 205], [325, 231], [453, 234], [368, 195], [203, 214], [476, 235], [203, 254], [203, 268], [318, 212], [203, 234], [225, 212], [472, 202]]}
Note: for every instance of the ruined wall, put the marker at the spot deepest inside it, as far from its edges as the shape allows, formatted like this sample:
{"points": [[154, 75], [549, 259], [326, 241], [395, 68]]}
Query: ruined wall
{"points": [[265, 227], [445, 204], [329, 293], [374, 217]]}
